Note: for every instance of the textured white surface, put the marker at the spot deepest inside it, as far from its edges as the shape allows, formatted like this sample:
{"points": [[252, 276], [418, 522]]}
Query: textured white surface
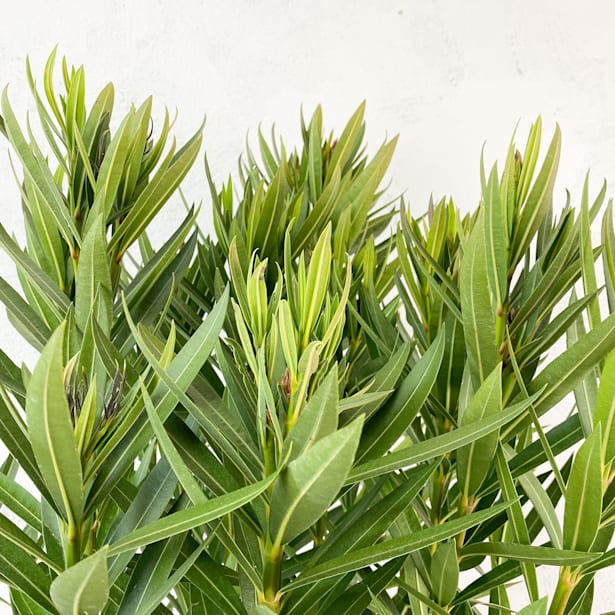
{"points": [[446, 76]]}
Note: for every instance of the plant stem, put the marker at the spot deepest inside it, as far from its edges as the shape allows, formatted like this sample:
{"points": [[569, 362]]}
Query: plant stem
{"points": [[73, 546], [272, 568], [566, 583]]}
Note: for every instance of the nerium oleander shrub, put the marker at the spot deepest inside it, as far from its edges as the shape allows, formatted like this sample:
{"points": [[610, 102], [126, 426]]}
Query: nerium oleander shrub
{"points": [[330, 406]]}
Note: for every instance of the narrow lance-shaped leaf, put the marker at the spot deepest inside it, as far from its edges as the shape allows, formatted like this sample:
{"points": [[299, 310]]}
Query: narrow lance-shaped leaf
{"points": [[560, 376], [51, 430], [310, 483], [604, 413], [478, 308], [93, 276], [529, 553], [317, 419], [538, 200], [584, 495], [83, 588], [445, 572], [474, 461], [495, 239], [436, 446], [21, 571], [394, 418], [192, 517], [395, 547], [316, 284]]}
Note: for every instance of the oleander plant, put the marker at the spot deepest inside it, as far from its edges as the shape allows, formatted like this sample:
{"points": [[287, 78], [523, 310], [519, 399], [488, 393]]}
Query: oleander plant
{"points": [[330, 405]]}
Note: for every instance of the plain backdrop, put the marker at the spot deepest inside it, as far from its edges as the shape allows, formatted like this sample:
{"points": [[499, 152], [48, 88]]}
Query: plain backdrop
{"points": [[448, 77]]}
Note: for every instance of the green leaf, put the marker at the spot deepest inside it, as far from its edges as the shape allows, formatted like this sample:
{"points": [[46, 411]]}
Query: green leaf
{"points": [[318, 418], [210, 577], [477, 307], [395, 547], [436, 446], [27, 322], [143, 507], [348, 143], [584, 495], [82, 588], [93, 276], [40, 175], [396, 416], [496, 241], [529, 553], [20, 501], [536, 608], [184, 476], [316, 285], [366, 527], [560, 376], [538, 200], [315, 154], [445, 572], [604, 413], [474, 461], [14, 435], [134, 435], [13, 534], [311, 482], [190, 518], [54, 301], [608, 255], [160, 188], [51, 430], [161, 591], [21, 571], [384, 381]]}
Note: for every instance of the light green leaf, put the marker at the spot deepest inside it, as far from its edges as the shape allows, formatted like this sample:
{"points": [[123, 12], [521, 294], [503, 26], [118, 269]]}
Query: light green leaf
{"points": [[395, 417], [192, 517], [82, 589], [40, 175], [318, 418], [604, 413], [395, 547], [445, 572], [496, 241], [21, 571], [436, 446], [310, 483], [560, 376], [316, 285], [474, 461], [536, 608], [93, 276], [538, 200], [529, 553], [478, 308], [51, 430], [584, 495], [315, 154]]}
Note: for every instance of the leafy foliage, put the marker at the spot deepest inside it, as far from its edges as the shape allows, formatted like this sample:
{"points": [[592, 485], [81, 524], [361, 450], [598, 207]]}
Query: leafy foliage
{"points": [[330, 405]]}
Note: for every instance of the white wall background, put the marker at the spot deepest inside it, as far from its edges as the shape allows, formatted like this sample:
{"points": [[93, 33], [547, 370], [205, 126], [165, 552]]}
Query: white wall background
{"points": [[446, 76]]}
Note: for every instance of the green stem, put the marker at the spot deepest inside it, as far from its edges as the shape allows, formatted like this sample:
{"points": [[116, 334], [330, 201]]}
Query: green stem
{"points": [[566, 583], [73, 546], [272, 573]]}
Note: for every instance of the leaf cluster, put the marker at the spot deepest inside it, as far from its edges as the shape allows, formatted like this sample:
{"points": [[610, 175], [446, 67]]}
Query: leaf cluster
{"points": [[330, 405]]}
